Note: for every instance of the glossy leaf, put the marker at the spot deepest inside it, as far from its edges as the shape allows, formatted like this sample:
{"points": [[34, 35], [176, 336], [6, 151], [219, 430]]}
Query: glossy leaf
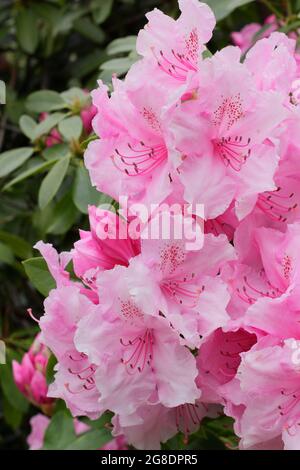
{"points": [[223, 8], [44, 101], [52, 182], [38, 273], [12, 159]]}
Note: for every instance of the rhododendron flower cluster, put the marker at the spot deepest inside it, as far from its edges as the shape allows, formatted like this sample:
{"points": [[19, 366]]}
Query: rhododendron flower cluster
{"points": [[159, 334]]}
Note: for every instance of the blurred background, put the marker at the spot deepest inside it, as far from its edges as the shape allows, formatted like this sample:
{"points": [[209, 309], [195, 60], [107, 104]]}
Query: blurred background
{"points": [[51, 54]]}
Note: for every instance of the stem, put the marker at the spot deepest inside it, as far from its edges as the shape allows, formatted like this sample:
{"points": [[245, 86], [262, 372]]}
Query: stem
{"points": [[289, 8]]}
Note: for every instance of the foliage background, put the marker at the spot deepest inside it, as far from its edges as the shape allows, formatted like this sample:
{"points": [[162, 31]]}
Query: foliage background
{"points": [[64, 46]]}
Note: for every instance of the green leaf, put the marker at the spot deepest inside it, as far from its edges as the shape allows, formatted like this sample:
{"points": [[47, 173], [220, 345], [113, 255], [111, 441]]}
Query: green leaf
{"points": [[52, 181], [85, 143], [27, 30], [27, 125], [91, 440], [122, 45], [56, 151], [60, 432], [45, 126], [38, 273], [36, 169], [88, 29], [103, 421], [223, 8], [6, 255], [62, 216], [87, 63], [118, 66], [84, 194], [52, 361], [18, 245], [101, 10], [12, 415], [75, 96], [44, 101], [12, 159], [71, 128], [9, 388], [64, 23]]}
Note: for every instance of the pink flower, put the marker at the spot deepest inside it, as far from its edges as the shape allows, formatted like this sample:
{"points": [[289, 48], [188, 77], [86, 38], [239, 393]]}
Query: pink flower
{"points": [[39, 424], [119, 443], [218, 360], [153, 424], [246, 38], [174, 48], [106, 245], [223, 224], [186, 284], [64, 307], [74, 378], [135, 143], [141, 354], [87, 115], [272, 63], [269, 382], [232, 160], [30, 375], [259, 279], [161, 329], [54, 137]]}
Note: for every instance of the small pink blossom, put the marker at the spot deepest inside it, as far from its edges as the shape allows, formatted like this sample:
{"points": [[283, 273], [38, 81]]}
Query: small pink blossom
{"points": [[249, 34], [30, 375]]}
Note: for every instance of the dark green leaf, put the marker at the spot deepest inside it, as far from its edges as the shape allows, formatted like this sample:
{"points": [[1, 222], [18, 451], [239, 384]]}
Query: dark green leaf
{"points": [[52, 361], [6, 255], [12, 159], [12, 415], [27, 31], [62, 216], [86, 28], [18, 245], [92, 440], [52, 181], [10, 390], [101, 10], [38, 273], [223, 8], [84, 194], [34, 170], [60, 432]]}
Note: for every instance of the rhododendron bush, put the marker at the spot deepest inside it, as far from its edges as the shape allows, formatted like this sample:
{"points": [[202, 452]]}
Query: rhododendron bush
{"points": [[171, 319]]}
